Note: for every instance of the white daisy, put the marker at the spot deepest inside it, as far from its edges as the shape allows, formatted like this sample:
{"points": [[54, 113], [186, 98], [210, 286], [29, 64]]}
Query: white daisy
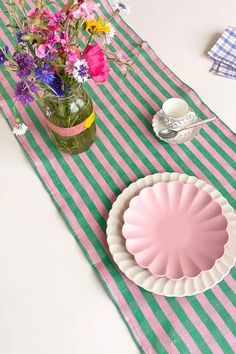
{"points": [[81, 70], [120, 6], [109, 35], [20, 129]]}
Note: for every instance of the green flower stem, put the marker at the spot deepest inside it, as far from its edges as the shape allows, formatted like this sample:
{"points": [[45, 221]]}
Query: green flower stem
{"points": [[89, 40]]}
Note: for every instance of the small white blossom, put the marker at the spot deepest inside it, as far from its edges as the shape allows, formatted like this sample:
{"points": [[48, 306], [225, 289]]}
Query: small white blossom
{"points": [[81, 70], [80, 103], [73, 107], [48, 112], [20, 129], [110, 34], [120, 6], [123, 58]]}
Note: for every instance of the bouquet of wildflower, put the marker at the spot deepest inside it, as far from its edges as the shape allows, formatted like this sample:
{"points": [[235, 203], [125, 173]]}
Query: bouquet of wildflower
{"points": [[57, 50]]}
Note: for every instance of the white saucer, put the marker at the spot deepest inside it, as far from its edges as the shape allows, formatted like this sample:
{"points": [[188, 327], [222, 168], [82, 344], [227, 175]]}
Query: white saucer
{"points": [[182, 137]]}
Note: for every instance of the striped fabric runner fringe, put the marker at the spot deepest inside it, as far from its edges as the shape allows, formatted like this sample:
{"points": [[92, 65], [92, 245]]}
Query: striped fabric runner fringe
{"points": [[83, 188]]}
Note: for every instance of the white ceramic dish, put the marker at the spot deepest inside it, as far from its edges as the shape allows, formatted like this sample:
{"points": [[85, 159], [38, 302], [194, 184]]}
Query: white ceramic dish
{"points": [[162, 285]]}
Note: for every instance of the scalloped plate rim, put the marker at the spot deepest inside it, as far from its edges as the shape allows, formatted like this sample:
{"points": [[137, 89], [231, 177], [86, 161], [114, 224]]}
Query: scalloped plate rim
{"points": [[134, 188]]}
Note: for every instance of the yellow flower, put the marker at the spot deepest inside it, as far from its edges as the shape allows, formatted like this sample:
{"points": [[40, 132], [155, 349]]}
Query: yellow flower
{"points": [[98, 26]]}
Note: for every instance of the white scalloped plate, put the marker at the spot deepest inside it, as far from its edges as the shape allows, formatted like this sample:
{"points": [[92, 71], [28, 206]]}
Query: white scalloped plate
{"points": [[162, 285]]}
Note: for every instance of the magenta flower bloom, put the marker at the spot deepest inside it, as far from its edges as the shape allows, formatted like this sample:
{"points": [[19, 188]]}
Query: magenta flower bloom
{"points": [[25, 63], [24, 91], [59, 17], [97, 62]]}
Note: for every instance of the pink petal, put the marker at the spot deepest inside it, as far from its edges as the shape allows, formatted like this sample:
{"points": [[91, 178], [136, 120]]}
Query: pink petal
{"points": [[40, 51]]}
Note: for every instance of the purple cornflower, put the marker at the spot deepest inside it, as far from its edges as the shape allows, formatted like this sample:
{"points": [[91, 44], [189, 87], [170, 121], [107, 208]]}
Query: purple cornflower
{"points": [[19, 37], [120, 6], [44, 74], [25, 63], [56, 85], [3, 59], [24, 90]]}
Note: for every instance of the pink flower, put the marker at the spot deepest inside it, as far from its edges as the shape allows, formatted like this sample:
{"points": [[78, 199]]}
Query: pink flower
{"points": [[40, 51], [72, 57], [34, 29], [63, 39], [52, 25], [97, 62], [31, 13], [47, 14], [86, 10]]}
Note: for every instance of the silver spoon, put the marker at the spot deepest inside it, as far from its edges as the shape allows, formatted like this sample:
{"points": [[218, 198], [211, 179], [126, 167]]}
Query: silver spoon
{"points": [[169, 133]]}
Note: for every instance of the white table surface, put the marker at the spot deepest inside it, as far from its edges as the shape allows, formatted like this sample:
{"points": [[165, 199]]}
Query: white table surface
{"points": [[50, 299]]}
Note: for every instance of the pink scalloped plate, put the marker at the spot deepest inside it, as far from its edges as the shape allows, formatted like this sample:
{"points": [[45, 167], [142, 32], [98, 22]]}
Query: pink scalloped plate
{"points": [[175, 230]]}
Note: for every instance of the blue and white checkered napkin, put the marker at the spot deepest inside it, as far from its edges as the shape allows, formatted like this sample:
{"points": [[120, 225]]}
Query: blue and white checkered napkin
{"points": [[224, 54]]}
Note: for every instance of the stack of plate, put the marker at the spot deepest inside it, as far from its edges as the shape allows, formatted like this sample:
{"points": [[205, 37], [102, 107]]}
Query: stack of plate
{"points": [[172, 234]]}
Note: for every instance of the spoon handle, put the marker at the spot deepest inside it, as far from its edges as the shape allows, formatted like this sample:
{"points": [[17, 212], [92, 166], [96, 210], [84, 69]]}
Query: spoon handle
{"points": [[200, 123]]}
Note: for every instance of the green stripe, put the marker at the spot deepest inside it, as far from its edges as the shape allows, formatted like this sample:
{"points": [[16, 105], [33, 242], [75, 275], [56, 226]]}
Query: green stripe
{"points": [[126, 137], [217, 147], [197, 337], [209, 175], [125, 134], [230, 323], [223, 137], [212, 327], [215, 163], [227, 290], [166, 324]]}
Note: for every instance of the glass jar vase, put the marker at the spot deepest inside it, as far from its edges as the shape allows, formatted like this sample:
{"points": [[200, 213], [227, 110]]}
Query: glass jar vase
{"points": [[71, 120]]}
